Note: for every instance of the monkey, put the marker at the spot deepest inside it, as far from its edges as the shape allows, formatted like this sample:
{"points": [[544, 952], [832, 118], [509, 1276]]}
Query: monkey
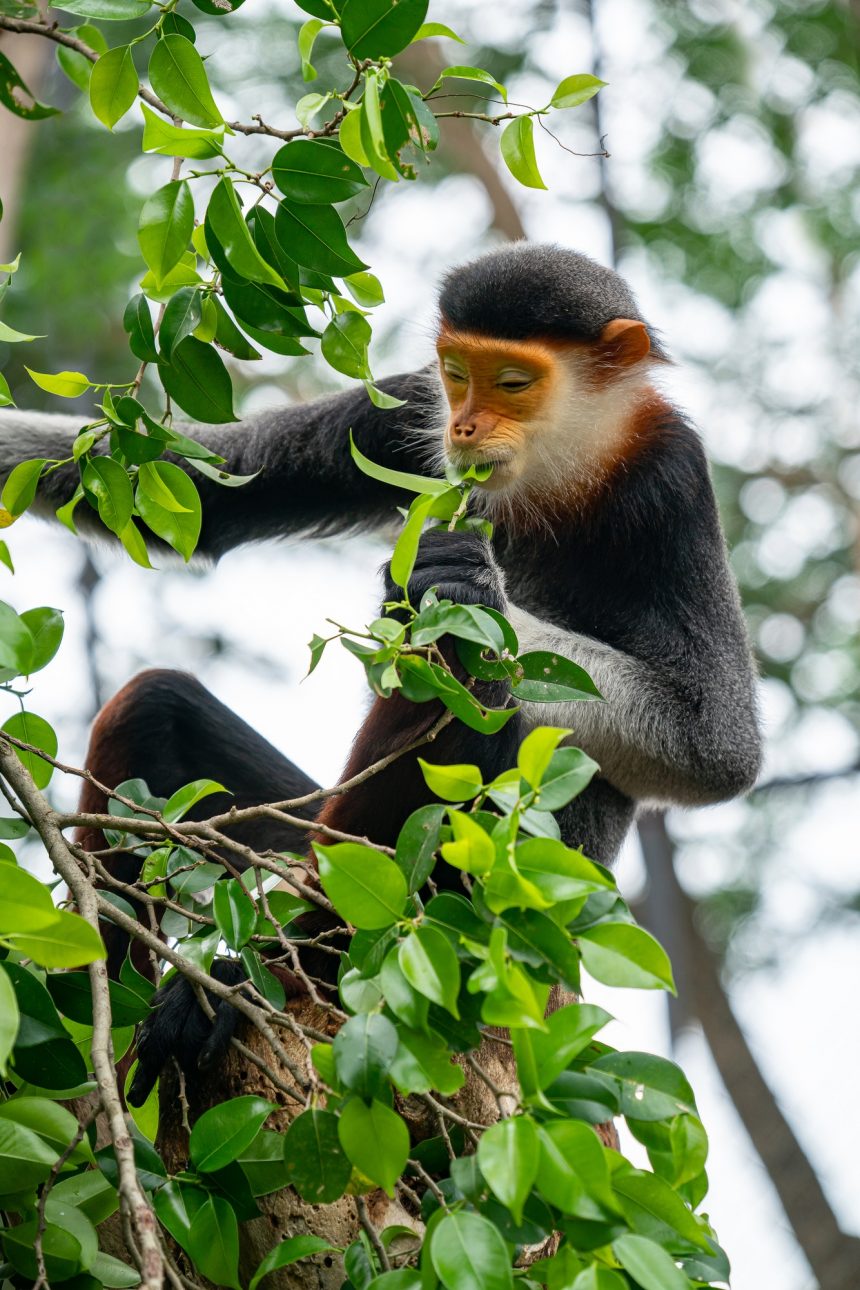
{"points": [[606, 548]]}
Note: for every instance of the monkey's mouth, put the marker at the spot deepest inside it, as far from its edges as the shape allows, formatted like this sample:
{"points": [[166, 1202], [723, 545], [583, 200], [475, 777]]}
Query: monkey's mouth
{"points": [[462, 460]]}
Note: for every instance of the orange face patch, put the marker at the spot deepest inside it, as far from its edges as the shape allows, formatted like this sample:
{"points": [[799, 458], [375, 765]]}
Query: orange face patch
{"points": [[495, 389]]}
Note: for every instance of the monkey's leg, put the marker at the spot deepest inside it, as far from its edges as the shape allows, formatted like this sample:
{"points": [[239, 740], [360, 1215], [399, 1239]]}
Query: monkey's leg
{"points": [[166, 728]]}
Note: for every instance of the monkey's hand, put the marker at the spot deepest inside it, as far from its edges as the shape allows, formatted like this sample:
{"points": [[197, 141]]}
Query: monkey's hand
{"points": [[459, 566], [178, 1028]]}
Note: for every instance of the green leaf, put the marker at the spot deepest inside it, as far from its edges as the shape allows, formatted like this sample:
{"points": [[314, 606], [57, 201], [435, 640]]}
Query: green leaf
{"points": [[677, 1147], [430, 29], [380, 28], [315, 1162], [137, 322], [468, 1252], [314, 173], [569, 772], [171, 141], [72, 993], [650, 1266], [67, 941], [365, 289], [344, 345], [472, 849], [349, 137], [224, 217], [6, 399], [218, 8], [12, 827], [574, 90], [89, 1192], [235, 913], [308, 33], [25, 1159], [263, 980], [26, 904], [314, 236], [175, 1205], [213, 1239], [573, 1161], [476, 74], [182, 316], [113, 85], [372, 130], [108, 10], [651, 1088], [198, 381], [229, 337], [165, 226], [431, 966], [569, 1031], [289, 1251], [112, 1272], [16, 96], [417, 842], [8, 335], [178, 76], [659, 1201], [309, 106], [549, 678], [20, 488], [365, 887], [376, 1141], [423, 1063], [109, 483], [225, 1131], [452, 783], [625, 955], [406, 547], [31, 729], [68, 385], [517, 146], [135, 545], [77, 66], [536, 750], [9, 1017], [398, 478], [407, 1004], [508, 1156], [558, 872], [181, 802], [364, 1049]]}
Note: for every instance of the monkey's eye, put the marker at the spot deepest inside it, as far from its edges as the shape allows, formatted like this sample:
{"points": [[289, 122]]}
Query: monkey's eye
{"points": [[513, 381], [455, 374]]}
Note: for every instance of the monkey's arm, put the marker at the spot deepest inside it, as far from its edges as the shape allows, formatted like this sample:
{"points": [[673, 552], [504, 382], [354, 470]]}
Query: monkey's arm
{"points": [[678, 722], [683, 732], [307, 481]]}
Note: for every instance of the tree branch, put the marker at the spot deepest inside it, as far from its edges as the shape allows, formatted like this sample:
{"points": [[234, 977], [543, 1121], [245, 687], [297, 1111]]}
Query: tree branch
{"points": [[135, 1206]]}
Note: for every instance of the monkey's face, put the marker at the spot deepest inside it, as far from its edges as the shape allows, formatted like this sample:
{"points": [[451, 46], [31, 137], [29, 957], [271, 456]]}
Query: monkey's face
{"points": [[499, 394], [544, 412]]}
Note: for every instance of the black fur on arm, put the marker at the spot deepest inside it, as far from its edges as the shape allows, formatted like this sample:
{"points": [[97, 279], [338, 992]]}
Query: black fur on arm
{"points": [[307, 481]]}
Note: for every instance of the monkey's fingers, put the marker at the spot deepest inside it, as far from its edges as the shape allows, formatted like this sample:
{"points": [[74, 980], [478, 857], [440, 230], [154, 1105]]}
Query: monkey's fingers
{"points": [[223, 1029], [151, 1057]]}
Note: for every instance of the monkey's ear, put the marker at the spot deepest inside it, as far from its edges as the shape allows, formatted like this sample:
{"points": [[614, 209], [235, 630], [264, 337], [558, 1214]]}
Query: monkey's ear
{"points": [[625, 341]]}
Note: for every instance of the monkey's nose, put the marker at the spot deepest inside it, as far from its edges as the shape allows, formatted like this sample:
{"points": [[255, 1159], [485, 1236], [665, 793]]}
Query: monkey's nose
{"points": [[465, 430]]}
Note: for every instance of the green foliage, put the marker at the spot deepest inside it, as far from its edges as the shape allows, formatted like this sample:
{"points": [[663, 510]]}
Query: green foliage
{"points": [[424, 977], [267, 248]]}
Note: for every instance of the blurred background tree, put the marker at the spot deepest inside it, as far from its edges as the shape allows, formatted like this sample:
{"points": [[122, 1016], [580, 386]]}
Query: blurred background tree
{"points": [[730, 201]]}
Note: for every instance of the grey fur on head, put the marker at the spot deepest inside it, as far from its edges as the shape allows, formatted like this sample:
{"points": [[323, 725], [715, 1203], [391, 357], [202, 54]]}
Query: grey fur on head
{"points": [[531, 290]]}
